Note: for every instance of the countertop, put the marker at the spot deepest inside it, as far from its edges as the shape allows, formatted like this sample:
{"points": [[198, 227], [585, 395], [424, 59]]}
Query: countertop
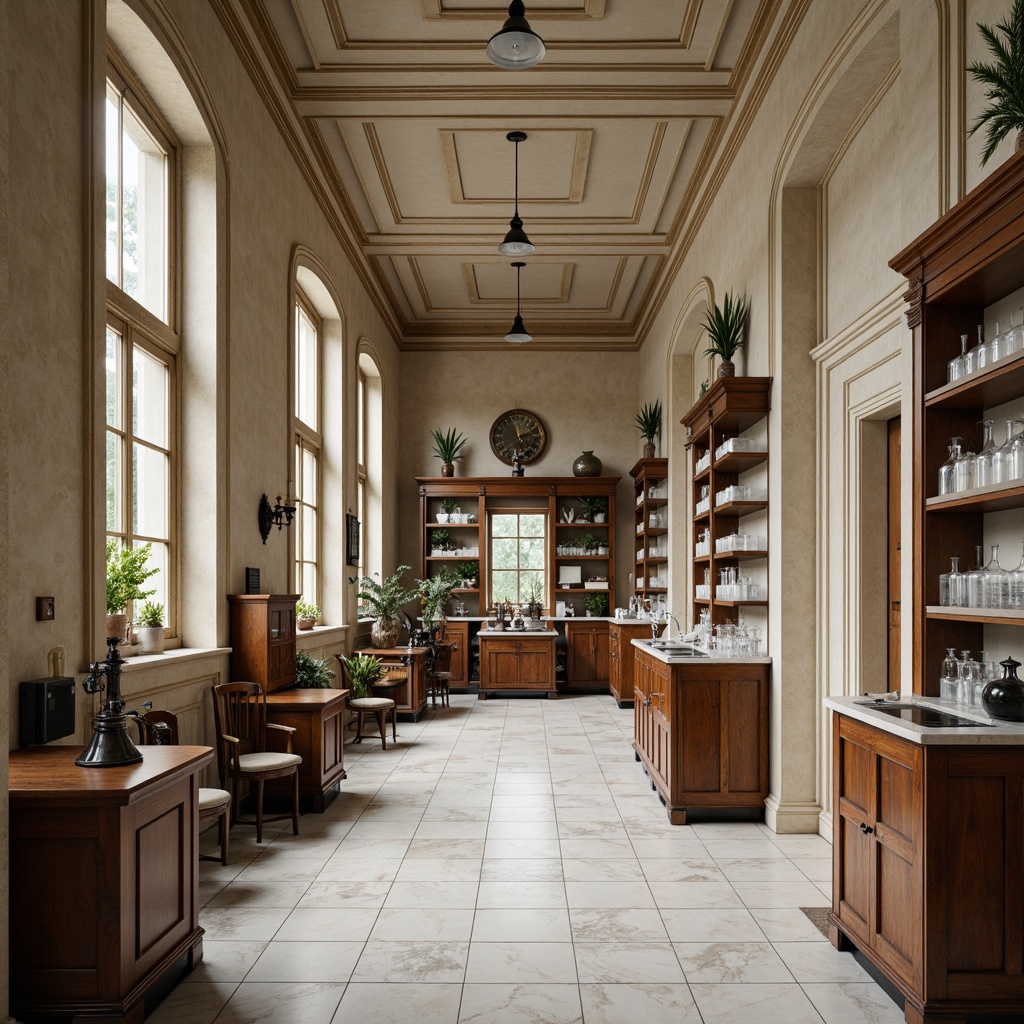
{"points": [[683, 659], [517, 632], [990, 731]]}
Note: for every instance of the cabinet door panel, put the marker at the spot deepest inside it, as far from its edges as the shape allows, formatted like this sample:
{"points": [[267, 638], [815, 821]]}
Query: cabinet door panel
{"points": [[701, 761], [602, 665], [898, 925], [500, 666], [853, 895], [744, 739], [896, 810], [534, 669]]}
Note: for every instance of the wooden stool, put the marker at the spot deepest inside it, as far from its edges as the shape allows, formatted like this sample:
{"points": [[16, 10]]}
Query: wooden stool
{"points": [[379, 708]]}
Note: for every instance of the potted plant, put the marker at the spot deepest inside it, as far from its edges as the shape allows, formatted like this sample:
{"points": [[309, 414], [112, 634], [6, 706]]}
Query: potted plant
{"points": [[594, 509], [363, 671], [447, 447], [448, 506], [384, 601], [1004, 82], [587, 542], [435, 593], [126, 572], [149, 627], [648, 421], [534, 596], [439, 541], [312, 673], [726, 325], [306, 614], [468, 572], [597, 603]]}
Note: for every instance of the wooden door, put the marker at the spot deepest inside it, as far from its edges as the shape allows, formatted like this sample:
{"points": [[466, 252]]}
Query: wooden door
{"points": [[894, 553], [580, 641], [854, 809], [601, 655], [533, 667]]}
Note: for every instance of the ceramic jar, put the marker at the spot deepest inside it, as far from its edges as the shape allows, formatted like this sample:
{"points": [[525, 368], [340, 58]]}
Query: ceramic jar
{"points": [[588, 464], [1004, 698]]}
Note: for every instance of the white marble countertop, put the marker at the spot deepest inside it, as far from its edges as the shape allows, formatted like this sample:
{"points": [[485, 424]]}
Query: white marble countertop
{"points": [[670, 658], [988, 732], [517, 632]]}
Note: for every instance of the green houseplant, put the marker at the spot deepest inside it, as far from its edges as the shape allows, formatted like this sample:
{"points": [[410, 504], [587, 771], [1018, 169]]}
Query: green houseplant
{"points": [[384, 601], [312, 673], [448, 506], [440, 540], [726, 325], [595, 509], [1003, 80], [435, 592], [306, 614], [126, 572], [363, 671], [597, 604], [149, 627], [468, 573], [648, 421], [448, 448]]}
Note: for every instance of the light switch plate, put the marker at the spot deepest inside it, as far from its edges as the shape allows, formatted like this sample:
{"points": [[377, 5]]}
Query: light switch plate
{"points": [[44, 609]]}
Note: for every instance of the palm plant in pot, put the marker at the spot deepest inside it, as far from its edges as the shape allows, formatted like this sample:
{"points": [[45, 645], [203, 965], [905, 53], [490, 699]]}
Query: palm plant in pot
{"points": [[384, 600], [126, 572], [648, 421], [1003, 80], [448, 448], [363, 671], [149, 627], [726, 325]]}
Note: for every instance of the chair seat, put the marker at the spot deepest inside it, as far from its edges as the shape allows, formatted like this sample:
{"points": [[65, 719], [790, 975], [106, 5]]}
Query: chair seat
{"points": [[267, 760], [371, 703], [211, 798]]}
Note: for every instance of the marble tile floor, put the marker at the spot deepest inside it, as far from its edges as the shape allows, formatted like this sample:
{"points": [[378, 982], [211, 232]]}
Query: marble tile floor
{"points": [[506, 862]]}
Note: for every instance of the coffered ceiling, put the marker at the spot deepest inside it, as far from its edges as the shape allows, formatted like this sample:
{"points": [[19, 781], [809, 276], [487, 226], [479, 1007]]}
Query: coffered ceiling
{"points": [[400, 122]]}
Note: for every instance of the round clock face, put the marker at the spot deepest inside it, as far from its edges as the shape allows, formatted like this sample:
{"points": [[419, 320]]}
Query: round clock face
{"points": [[518, 431]]}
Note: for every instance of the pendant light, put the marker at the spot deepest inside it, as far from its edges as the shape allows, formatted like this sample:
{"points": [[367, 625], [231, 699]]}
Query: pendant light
{"points": [[515, 45], [515, 242], [518, 334]]}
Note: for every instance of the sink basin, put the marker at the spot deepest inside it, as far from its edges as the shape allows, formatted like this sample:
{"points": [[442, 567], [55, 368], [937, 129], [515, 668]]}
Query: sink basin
{"points": [[675, 649]]}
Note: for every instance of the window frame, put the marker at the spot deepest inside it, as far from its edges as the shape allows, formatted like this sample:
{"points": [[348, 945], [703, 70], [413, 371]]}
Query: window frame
{"points": [[362, 476], [307, 439], [545, 538]]}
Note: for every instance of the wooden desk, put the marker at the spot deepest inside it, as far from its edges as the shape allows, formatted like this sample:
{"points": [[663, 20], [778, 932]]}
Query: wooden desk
{"points": [[409, 696], [318, 717], [103, 880]]}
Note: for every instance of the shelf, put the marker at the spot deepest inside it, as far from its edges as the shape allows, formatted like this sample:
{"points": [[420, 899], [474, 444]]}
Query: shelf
{"points": [[581, 558], [739, 508], [991, 616], [580, 590], [702, 558], [452, 558], [739, 462], [456, 526], [700, 516], [738, 556], [1002, 383], [994, 498], [741, 604]]}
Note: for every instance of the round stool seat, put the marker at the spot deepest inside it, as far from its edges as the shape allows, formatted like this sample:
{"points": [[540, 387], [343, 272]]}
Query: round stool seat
{"points": [[380, 708], [211, 798], [372, 703]]}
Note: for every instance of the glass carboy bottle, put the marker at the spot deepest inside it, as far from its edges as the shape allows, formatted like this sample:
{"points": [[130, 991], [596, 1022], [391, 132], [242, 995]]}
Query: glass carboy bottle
{"points": [[947, 471], [994, 586], [975, 359], [984, 469], [957, 366]]}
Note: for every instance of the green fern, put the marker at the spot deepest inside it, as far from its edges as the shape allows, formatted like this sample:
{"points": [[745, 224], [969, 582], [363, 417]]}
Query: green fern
{"points": [[385, 599], [1003, 80]]}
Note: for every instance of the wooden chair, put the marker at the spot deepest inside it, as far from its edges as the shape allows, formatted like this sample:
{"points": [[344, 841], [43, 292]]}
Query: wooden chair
{"points": [[243, 751], [439, 674], [379, 707], [160, 728]]}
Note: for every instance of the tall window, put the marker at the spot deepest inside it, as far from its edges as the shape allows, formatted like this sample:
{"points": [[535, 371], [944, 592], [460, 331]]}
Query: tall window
{"points": [[361, 478], [517, 555], [308, 330], [141, 344]]}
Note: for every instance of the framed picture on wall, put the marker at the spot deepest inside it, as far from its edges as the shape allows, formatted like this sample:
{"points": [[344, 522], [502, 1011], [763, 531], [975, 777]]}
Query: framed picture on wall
{"points": [[351, 539]]}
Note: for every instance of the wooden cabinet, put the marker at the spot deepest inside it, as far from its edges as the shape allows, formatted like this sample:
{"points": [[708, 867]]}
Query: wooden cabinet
{"points": [[318, 717], [620, 658], [263, 639], [588, 665], [509, 662], [927, 869], [728, 486], [411, 696], [588, 547], [961, 272], [457, 632], [104, 882], [650, 526], [701, 731]]}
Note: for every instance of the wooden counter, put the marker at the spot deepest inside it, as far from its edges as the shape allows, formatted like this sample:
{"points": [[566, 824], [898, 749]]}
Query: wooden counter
{"points": [[103, 880], [411, 696], [318, 718], [517, 661]]}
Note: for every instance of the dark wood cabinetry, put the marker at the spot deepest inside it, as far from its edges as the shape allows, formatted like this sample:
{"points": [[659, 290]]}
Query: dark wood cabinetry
{"points": [[650, 516], [620, 658], [587, 666], [457, 632], [927, 869], [701, 731], [509, 662], [104, 886], [263, 639]]}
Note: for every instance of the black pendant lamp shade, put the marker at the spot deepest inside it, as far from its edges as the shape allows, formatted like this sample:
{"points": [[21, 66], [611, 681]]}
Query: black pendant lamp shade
{"points": [[515, 243], [515, 45], [518, 333]]}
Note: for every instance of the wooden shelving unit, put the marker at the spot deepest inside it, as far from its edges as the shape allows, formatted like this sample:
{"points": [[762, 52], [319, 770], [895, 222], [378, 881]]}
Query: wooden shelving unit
{"points": [[650, 516]]}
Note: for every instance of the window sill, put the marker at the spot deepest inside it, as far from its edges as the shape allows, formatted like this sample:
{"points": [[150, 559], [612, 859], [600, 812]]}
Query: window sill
{"points": [[134, 662], [318, 636]]}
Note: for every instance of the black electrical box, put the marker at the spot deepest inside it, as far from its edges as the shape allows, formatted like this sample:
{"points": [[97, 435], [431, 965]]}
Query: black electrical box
{"points": [[47, 710]]}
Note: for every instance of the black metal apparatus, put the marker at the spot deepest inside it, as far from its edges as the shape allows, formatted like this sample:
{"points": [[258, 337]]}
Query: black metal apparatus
{"points": [[110, 745]]}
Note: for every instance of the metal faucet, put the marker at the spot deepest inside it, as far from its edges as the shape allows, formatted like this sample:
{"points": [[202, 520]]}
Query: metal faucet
{"points": [[670, 617]]}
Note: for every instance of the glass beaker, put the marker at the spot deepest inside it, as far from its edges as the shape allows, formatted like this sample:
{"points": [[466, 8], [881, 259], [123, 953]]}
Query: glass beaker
{"points": [[975, 358], [963, 471], [947, 471], [951, 585], [996, 347], [1013, 468], [947, 685], [1013, 339], [976, 582], [957, 366], [984, 463], [968, 673], [1015, 586], [995, 582]]}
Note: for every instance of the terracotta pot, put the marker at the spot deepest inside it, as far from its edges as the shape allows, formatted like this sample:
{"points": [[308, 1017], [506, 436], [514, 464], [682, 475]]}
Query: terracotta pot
{"points": [[448, 469], [384, 632], [649, 450], [305, 622], [727, 368], [588, 464]]}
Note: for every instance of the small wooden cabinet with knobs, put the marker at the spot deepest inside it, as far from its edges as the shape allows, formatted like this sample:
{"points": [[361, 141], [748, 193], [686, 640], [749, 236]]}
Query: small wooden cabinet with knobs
{"points": [[587, 647]]}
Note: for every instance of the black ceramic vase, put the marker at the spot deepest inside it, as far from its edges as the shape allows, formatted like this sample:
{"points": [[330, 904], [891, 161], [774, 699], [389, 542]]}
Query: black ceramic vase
{"points": [[588, 464], [1004, 698]]}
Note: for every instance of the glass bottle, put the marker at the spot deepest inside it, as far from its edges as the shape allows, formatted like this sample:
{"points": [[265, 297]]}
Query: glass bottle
{"points": [[947, 471], [995, 348], [975, 359], [966, 678], [957, 366], [947, 685], [1013, 468], [1015, 586], [994, 586], [976, 582], [983, 464], [963, 471], [951, 585], [1013, 339]]}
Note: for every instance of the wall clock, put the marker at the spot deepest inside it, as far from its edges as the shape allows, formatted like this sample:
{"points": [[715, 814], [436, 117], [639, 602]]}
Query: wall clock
{"points": [[518, 431]]}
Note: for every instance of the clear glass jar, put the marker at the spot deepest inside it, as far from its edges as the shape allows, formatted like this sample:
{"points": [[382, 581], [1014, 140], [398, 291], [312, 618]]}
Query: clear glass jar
{"points": [[1013, 339], [1013, 468], [963, 472], [975, 358], [1015, 586], [947, 685], [983, 464], [994, 586], [996, 347], [976, 582], [951, 585], [947, 471], [957, 366]]}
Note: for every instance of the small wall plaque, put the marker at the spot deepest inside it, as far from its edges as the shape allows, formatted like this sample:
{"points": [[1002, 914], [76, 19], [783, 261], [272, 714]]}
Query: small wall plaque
{"points": [[252, 579], [351, 539]]}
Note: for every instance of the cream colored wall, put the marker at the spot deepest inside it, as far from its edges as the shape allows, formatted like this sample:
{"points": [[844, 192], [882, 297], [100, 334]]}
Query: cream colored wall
{"points": [[585, 400]]}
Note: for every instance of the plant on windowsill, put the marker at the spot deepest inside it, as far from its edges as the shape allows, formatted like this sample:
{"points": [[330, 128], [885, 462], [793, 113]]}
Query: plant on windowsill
{"points": [[1004, 82], [149, 627], [384, 601], [597, 604], [126, 572], [534, 597], [595, 509], [648, 421], [726, 325], [448, 448], [312, 673], [306, 614], [363, 671]]}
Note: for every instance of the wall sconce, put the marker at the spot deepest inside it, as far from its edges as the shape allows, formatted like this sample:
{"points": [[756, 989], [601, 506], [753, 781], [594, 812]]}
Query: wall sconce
{"points": [[280, 515]]}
